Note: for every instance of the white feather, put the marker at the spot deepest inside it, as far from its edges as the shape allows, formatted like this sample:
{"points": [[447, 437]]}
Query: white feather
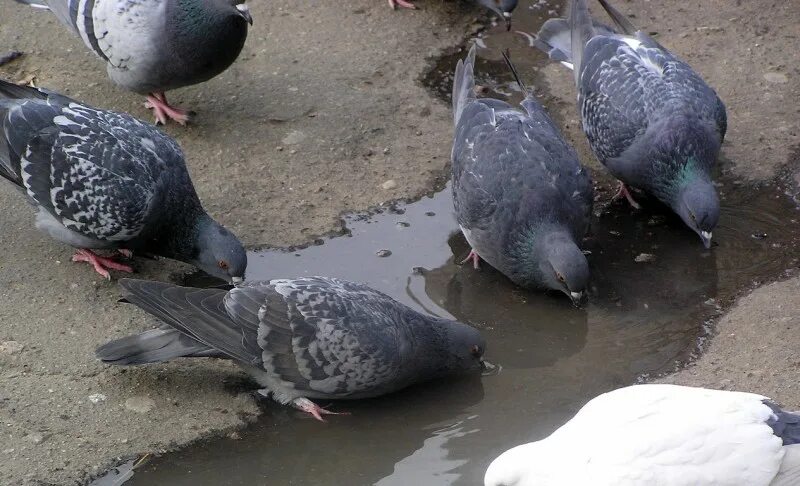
{"points": [[652, 435]]}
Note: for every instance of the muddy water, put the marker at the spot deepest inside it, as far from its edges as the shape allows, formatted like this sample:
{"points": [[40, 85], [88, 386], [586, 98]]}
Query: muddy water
{"points": [[644, 318]]}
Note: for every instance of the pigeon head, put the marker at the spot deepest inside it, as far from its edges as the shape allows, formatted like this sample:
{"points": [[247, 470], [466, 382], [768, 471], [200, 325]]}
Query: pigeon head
{"points": [[463, 347], [218, 252], [550, 258], [502, 8], [698, 206]]}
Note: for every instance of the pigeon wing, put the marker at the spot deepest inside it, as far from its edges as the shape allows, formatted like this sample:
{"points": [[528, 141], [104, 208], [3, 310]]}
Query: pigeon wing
{"points": [[323, 336]]}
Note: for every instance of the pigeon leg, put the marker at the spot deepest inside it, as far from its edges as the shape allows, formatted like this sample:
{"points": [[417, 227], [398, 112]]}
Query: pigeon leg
{"points": [[624, 192], [308, 406], [475, 258], [125, 253], [99, 263], [164, 111], [402, 3]]}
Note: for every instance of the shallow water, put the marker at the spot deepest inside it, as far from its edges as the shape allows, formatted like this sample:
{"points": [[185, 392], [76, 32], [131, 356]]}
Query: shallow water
{"points": [[642, 319]]}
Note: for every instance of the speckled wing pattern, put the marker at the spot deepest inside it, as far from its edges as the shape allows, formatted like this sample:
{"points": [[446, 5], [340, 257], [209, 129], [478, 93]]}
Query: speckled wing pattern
{"points": [[95, 171], [323, 336], [625, 81]]}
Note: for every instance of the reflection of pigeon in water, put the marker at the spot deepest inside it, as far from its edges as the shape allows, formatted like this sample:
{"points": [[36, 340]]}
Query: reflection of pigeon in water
{"points": [[153, 46], [662, 434], [650, 119], [503, 8], [104, 180], [521, 197], [312, 337]]}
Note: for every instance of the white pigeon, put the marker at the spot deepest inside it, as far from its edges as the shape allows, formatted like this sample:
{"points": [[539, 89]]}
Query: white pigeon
{"points": [[662, 435]]}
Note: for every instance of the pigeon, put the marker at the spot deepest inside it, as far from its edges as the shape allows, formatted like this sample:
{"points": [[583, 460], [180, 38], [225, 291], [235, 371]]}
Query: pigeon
{"points": [[153, 46], [650, 119], [521, 197], [303, 338], [662, 435], [9, 56], [104, 180], [503, 8]]}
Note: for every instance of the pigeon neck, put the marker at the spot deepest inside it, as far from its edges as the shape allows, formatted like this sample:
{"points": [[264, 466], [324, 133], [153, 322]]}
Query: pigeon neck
{"points": [[532, 250], [688, 175]]}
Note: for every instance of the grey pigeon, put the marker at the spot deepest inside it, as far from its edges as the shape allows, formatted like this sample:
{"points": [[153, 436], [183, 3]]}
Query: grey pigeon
{"points": [[104, 180], [650, 119], [521, 197], [304, 338], [153, 46], [503, 8]]}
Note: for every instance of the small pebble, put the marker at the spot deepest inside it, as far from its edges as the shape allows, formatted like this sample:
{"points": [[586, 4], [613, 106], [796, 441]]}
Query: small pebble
{"points": [[11, 347], [644, 258], [389, 185], [383, 253], [97, 398]]}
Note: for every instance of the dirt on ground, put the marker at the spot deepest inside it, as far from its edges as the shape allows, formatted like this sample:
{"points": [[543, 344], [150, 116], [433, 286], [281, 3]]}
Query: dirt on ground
{"points": [[323, 107]]}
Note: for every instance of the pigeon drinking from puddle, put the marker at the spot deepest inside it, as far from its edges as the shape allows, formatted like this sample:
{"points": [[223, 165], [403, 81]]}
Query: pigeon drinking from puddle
{"points": [[301, 339], [104, 180], [522, 199], [650, 119], [153, 46], [665, 435]]}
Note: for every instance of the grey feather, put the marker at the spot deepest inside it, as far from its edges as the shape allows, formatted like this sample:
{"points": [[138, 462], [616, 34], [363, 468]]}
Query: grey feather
{"points": [[521, 196], [107, 180], [157, 45], [308, 337], [650, 119]]}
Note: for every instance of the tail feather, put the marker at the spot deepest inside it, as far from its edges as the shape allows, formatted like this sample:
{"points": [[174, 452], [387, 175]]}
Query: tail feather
{"points": [[555, 39], [154, 346], [200, 326], [581, 30], [464, 84], [789, 473], [620, 20]]}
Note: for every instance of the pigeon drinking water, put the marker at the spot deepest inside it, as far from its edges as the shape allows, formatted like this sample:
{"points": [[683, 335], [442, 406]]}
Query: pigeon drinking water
{"points": [[664, 435], [301, 339], [153, 46], [650, 119], [104, 180], [521, 197]]}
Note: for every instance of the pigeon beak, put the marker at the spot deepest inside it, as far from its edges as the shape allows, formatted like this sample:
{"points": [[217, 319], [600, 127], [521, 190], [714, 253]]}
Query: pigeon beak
{"points": [[237, 281], [577, 298], [244, 11], [706, 237], [505, 16]]}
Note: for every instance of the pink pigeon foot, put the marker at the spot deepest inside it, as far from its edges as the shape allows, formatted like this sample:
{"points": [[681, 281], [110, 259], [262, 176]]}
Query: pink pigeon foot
{"points": [[624, 192], [99, 263], [475, 258], [308, 406], [164, 111], [402, 3]]}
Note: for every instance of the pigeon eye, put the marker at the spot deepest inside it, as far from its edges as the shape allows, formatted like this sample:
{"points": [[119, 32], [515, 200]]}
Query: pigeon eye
{"points": [[223, 264], [693, 218], [560, 278], [476, 351]]}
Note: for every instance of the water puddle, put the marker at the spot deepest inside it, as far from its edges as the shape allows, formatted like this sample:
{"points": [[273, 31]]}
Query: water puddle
{"points": [[643, 318]]}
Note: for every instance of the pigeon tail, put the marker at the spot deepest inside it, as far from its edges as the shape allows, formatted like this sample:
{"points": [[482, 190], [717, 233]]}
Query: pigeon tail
{"points": [[34, 4], [581, 30], [620, 20], [153, 346], [463, 84]]}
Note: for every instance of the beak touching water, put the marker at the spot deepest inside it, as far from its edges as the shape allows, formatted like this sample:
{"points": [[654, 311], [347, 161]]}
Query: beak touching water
{"points": [[577, 298], [706, 237], [244, 11]]}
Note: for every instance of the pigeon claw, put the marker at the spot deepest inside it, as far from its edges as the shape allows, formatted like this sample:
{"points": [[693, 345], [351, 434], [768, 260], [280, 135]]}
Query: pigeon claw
{"points": [[101, 264], [306, 405], [474, 258], [623, 191], [164, 112], [402, 3]]}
